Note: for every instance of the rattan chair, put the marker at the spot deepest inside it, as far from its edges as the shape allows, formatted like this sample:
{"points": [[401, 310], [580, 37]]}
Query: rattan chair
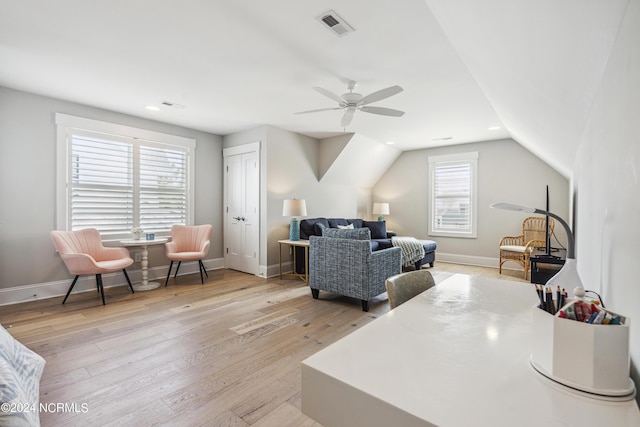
{"points": [[518, 248]]}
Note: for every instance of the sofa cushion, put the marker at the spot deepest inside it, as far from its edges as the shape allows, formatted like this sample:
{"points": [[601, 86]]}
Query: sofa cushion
{"points": [[335, 222], [357, 222], [318, 229], [307, 227], [378, 229], [356, 233]]}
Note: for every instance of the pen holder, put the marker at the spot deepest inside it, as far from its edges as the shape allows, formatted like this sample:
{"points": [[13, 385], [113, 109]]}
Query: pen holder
{"points": [[586, 357]]}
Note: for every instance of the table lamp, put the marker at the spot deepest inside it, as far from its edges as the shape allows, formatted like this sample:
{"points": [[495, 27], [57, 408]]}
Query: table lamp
{"points": [[567, 277], [381, 209], [294, 208]]}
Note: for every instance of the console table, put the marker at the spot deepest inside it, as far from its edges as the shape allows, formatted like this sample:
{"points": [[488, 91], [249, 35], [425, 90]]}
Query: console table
{"points": [[454, 356]]}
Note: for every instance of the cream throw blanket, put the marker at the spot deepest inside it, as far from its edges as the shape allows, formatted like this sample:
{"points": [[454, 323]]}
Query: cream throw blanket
{"points": [[412, 249]]}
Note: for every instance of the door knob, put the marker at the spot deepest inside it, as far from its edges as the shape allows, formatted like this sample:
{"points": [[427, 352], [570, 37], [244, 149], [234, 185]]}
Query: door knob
{"points": [[237, 218]]}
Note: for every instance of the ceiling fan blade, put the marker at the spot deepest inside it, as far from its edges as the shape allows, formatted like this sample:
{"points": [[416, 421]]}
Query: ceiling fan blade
{"points": [[318, 110], [346, 119], [382, 111], [380, 95], [328, 94]]}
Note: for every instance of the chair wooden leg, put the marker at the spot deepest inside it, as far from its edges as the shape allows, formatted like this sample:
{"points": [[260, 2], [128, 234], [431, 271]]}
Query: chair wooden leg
{"points": [[99, 280], [128, 281], [365, 305], [70, 289], [168, 274], [177, 268], [315, 293]]}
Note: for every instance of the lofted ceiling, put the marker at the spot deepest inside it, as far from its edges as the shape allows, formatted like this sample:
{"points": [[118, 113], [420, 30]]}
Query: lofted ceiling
{"points": [[529, 67]]}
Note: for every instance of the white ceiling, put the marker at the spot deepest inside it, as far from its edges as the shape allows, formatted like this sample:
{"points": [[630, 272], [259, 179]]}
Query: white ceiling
{"points": [[531, 67]]}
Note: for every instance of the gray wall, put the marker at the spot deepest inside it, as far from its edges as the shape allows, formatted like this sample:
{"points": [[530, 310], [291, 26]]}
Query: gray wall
{"points": [[27, 184], [607, 184], [506, 173]]}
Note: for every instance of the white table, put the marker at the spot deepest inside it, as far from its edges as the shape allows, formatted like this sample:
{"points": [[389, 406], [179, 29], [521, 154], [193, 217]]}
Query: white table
{"points": [[455, 355], [145, 284], [293, 243]]}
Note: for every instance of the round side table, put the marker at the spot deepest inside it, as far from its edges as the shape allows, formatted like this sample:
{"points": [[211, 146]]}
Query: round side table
{"points": [[145, 284]]}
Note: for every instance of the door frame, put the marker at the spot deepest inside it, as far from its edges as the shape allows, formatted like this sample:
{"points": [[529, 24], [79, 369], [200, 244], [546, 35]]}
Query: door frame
{"points": [[234, 151]]}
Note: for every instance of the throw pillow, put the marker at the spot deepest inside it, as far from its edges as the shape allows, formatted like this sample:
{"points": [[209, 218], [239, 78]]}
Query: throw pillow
{"points": [[318, 228], [346, 227], [378, 229]]}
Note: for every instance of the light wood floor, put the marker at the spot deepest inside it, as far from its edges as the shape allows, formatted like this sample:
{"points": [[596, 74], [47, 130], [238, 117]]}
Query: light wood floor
{"points": [[226, 353]]}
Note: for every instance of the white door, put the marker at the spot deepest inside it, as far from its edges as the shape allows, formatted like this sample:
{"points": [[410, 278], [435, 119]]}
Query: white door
{"points": [[242, 219]]}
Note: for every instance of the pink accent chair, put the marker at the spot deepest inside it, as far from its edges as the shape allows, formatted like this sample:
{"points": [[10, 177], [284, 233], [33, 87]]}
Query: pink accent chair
{"points": [[188, 243], [83, 253]]}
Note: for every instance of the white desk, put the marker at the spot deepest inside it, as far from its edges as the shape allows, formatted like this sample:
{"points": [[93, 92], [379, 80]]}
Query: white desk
{"points": [[145, 284], [455, 355]]}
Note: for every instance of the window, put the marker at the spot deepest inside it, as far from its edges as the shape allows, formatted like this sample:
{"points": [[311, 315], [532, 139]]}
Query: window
{"points": [[452, 195], [116, 178]]}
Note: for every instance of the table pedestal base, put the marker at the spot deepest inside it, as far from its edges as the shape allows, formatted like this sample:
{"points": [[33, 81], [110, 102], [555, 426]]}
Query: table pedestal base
{"points": [[146, 286]]}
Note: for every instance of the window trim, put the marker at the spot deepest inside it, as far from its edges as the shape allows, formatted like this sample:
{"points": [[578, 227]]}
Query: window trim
{"points": [[472, 159], [66, 125]]}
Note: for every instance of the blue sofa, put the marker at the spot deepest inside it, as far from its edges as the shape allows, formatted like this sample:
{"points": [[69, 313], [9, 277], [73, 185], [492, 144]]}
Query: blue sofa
{"points": [[380, 237]]}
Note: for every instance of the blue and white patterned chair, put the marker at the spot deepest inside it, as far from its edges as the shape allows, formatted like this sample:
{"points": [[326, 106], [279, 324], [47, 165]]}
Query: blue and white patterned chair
{"points": [[341, 262]]}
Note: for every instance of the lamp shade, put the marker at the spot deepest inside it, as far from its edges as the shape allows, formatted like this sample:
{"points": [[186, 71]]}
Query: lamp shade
{"points": [[381, 208], [294, 207]]}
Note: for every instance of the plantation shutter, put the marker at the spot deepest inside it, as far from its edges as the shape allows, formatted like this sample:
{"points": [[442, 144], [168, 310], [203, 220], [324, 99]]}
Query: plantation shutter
{"points": [[452, 196], [118, 184], [163, 188], [101, 193]]}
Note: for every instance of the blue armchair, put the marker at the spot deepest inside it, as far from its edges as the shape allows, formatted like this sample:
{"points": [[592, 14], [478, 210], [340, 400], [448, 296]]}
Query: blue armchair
{"points": [[341, 262]]}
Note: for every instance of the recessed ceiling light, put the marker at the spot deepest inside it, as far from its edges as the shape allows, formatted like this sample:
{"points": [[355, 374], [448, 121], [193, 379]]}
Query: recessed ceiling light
{"points": [[152, 108], [390, 142], [494, 128], [446, 138]]}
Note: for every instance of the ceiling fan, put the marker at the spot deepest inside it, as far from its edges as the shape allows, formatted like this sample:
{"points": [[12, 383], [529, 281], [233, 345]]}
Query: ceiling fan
{"points": [[352, 101]]}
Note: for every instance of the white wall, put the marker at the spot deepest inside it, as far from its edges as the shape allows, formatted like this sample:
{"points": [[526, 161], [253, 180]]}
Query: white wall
{"points": [[606, 184], [27, 184], [506, 173]]}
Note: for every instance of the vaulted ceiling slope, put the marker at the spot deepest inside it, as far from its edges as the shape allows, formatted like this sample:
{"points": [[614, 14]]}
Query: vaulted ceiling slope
{"points": [[530, 67], [539, 63]]}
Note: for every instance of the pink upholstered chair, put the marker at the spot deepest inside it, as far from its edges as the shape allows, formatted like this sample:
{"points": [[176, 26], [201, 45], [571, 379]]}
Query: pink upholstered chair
{"points": [[83, 253], [188, 243]]}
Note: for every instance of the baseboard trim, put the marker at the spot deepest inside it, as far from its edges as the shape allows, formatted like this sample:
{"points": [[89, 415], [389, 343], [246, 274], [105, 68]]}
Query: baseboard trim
{"points": [[474, 260], [40, 291]]}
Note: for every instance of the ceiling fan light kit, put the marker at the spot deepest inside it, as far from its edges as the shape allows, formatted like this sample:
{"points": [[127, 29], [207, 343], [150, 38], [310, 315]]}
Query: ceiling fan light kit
{"points": [[352, 101]]}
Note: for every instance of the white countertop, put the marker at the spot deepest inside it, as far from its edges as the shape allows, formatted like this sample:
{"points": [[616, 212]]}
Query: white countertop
{"points": [[456, 355]]}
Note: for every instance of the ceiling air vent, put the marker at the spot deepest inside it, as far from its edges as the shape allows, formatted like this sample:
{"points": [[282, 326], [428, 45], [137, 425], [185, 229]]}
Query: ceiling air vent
{"points": [[335, 23]]}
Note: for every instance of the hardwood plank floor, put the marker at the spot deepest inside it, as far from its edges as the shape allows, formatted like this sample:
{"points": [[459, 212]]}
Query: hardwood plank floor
{"points": [[226, 353]]}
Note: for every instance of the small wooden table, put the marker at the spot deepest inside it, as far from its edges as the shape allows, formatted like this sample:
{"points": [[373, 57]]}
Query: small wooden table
{"points": [[145, 284], [293, 244]]}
